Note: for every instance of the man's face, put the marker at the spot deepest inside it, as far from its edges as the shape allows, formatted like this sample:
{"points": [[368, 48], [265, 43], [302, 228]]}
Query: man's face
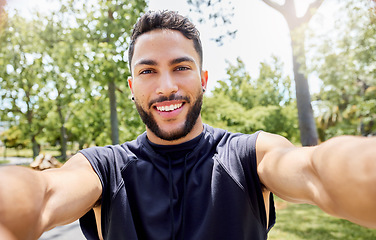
{"points": [[167, 86]]}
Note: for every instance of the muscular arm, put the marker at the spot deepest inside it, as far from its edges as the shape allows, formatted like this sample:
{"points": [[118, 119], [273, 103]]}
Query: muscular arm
{"points": [[339, 175], [32, 202]]}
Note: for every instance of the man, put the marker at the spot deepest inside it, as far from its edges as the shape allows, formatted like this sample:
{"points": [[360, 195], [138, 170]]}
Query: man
{"points": [[183, 179]]}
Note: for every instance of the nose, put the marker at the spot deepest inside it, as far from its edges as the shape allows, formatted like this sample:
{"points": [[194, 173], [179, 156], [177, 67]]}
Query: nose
{"points": [[167, 85]]}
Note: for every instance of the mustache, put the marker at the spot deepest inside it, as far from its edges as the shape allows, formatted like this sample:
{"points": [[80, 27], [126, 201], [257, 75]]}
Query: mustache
{"points": [[172, 97]]}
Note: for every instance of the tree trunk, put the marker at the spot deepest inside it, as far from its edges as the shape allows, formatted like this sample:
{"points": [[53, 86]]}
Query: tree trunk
{"points": [[34, 143], [63, 142], [35, 147], [5, 149], [113, 106], [112, 95], [63, 132], [307, 125]]}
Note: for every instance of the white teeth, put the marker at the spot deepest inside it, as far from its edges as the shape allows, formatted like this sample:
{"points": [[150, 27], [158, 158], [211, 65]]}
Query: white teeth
{"points": [[169, 108]]}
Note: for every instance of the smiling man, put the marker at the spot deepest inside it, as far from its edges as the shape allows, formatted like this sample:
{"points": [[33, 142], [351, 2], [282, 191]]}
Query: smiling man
{"points": [[167, 84], [183, 179]]}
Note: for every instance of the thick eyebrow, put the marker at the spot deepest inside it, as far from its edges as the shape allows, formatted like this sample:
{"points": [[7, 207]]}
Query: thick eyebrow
{"points": [[182, 59], [172, 62], [146, 62]]}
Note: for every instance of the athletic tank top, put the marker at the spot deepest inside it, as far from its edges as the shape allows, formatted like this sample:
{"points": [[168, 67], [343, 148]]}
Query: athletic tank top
{"points": [[207, 188]]}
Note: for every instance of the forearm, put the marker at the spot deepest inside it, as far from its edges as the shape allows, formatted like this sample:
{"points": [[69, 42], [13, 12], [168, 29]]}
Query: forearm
{"points": [[32, 202], [339, 175], [346, 168], [22, 193]]}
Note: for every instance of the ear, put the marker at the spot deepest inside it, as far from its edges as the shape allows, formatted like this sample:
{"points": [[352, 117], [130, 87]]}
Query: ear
{"points": [[130, 81], [204, 79]]}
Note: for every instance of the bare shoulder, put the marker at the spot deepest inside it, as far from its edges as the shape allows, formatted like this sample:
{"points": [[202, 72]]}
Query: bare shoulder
{"points": [[283, 168], [267, 142], [76, 168], [76, 185], [78, 162]]}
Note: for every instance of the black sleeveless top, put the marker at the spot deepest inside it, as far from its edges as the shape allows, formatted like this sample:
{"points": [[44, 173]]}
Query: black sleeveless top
{"points": [[206, 188]]}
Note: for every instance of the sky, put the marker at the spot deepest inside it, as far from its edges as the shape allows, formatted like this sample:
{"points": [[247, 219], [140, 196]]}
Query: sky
{"points": [[262, 33]]}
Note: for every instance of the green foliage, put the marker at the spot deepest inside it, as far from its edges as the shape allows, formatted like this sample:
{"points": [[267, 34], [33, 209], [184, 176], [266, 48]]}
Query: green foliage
{"points": [[221, 111], [12, 138], [104, 29], [243, 104], [222, 11], [270, 88], [22, 95], [345, 60], [55, 71], [130, 122]]}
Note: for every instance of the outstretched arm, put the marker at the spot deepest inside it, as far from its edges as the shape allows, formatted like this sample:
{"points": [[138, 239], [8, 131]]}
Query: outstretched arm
{"points": [[339, 175], [32, 202]]}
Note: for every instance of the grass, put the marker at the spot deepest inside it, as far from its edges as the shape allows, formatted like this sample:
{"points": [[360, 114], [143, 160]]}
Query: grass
{"points": [[302, 221]]}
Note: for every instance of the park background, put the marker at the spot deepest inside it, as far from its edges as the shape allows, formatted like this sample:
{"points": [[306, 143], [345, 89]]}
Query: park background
{"points": [[63, 71]]}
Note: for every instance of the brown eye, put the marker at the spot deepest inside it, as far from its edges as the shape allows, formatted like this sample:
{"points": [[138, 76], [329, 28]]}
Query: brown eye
{"points": [[182, 68], [146, 72]]}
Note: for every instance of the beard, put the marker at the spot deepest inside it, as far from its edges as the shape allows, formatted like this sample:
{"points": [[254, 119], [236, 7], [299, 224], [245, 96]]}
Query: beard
{"points": [[192, 116]]}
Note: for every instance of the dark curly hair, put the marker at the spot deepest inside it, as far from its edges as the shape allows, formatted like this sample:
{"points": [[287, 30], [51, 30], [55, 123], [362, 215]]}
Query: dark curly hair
{"points": [[153, 20]]}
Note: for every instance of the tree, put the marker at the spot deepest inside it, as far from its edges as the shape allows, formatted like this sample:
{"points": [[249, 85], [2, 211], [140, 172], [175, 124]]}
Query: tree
{"points": [[53, 65], [105, 27], [344, 59], [307, 126], [95, 50], [88, 124], [243, 104], [23, 96], [308, 132], [60, 51]]}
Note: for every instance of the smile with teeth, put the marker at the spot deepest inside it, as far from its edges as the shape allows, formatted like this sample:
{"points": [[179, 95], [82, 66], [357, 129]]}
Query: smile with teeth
{"points": [[169, 108]]}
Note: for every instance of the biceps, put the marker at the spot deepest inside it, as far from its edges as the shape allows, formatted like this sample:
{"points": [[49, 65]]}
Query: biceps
{"points": [[72, 191], [289, 174]]}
